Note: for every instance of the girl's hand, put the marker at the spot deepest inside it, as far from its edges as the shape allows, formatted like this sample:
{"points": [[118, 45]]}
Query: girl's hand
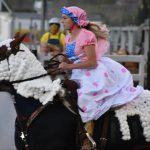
{"points": [[64, 65]]}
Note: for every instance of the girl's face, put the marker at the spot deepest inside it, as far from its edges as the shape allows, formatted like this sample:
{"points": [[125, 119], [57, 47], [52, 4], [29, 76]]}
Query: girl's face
{"points": [[67, 22]]}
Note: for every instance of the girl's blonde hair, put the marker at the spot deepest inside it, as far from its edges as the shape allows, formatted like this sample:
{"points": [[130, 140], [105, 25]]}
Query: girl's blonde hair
{"points": [[100, 30]]}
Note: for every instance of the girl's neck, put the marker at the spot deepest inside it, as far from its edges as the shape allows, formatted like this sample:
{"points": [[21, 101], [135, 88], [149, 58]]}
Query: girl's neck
{"points": [[74, 32]]}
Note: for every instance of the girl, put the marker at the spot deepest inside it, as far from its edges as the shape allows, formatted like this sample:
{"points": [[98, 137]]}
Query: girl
{"points": [[104, 83]]}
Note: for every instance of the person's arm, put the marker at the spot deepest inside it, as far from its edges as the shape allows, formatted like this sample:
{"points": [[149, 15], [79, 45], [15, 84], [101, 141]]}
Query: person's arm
{"points": [[43, 43], [53, 48], [89, 63]]}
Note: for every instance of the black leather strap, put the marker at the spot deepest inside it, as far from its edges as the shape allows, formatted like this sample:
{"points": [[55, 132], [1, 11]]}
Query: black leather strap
{"points": [[103, 138]]}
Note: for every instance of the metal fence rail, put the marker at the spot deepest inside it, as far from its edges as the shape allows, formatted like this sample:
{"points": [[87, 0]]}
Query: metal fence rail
{"points": [[134, 39], [133, 58]]}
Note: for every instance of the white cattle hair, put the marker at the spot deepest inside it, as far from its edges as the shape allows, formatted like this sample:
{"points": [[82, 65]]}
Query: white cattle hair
{"points": [[25, 65], [139, 106]]}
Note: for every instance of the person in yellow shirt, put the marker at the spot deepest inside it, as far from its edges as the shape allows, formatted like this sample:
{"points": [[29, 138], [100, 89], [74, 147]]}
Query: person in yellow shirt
{"points": [[53, 40]]}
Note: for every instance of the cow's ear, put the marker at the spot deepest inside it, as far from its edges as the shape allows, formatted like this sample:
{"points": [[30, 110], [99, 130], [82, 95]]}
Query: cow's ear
{"points": [[17, 35], [17, 41], [21, 38]]}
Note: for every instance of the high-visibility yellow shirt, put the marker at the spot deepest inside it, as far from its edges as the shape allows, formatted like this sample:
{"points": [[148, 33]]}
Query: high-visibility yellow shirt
{"points": [[59, 36]]}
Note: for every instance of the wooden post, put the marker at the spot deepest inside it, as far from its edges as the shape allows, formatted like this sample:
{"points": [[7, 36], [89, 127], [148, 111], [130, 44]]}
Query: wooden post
{"points": [[43, 16], [148, 59]]}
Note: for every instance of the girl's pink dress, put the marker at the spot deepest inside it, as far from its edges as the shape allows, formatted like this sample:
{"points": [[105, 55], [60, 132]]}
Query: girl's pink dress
{"points": [[108, 85]]}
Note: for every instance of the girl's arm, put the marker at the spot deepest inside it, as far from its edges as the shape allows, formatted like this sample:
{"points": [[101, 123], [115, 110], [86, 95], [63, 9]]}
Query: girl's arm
{"points": [[89, 63]]}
